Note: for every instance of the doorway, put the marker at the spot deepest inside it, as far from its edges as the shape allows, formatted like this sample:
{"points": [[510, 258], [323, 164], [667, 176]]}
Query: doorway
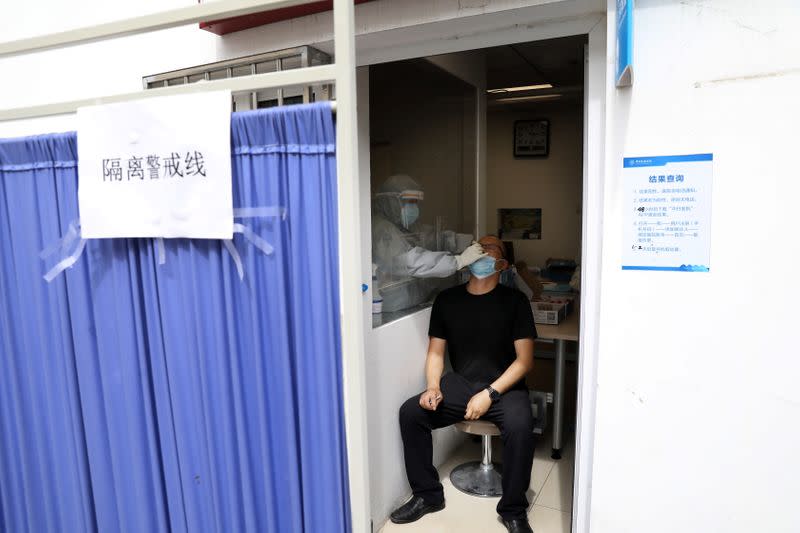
{"points": [[539, 84]]}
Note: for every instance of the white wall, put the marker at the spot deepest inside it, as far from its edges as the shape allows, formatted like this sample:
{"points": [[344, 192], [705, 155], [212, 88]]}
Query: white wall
{"points": [[395, 372], [697, 397], [90, 70], [552, 183]]}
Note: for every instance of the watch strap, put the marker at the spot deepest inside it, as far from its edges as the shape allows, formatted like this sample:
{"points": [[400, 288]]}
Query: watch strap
{"points": [[493, 394]]}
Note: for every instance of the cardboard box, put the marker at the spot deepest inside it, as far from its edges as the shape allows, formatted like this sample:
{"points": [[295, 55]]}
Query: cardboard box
{"points": [[548, 312], [566, 298]]}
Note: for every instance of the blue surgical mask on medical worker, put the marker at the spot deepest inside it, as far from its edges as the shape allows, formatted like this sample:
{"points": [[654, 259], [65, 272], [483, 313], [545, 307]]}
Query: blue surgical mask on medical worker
{"points": [[409, 214], [483, 267]]}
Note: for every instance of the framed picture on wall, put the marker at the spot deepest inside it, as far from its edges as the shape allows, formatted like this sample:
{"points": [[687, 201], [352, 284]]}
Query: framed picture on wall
{"points": [[532, 138]]}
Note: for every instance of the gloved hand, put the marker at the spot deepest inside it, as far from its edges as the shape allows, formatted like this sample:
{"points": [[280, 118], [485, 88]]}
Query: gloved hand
{"points": [[470, 255]]}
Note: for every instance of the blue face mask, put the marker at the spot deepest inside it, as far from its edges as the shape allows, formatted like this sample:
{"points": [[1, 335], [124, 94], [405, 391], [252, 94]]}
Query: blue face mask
{"points": [[409, 214], [483, 267]]}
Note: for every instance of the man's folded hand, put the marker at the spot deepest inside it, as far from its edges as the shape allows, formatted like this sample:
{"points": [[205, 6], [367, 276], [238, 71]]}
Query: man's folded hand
{"points": [[478, 405], [431, 399]]}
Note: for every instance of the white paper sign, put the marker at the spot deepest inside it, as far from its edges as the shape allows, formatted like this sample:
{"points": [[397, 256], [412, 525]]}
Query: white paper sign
{"points": [[667, 222], [157, 167]]}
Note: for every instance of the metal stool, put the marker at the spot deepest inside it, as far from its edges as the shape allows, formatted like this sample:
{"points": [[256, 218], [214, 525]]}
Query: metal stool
{"points": [[479, 478], [484, 478]]}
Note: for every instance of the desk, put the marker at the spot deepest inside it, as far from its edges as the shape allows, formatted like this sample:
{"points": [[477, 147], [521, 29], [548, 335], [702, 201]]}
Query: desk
{"points": [[567, 330]]}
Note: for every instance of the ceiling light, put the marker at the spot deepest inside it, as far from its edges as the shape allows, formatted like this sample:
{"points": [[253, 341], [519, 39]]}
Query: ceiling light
{"points": [[521, 88], [528, 98]]}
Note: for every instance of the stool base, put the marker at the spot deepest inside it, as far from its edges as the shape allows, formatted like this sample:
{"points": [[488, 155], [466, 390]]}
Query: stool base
{"points": [[478, 479]]}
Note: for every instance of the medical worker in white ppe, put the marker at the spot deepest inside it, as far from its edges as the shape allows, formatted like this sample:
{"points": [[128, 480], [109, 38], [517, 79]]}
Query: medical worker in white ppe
{"points": [[410, 268]]}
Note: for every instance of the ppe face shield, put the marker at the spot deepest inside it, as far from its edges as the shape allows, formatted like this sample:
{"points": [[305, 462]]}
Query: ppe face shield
{"points": [[409, 213], [401, 208], [412, 195], [409, 210]]}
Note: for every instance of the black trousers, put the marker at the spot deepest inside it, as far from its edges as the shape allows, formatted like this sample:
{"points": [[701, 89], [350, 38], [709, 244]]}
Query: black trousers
{"points": [[512, 415]]}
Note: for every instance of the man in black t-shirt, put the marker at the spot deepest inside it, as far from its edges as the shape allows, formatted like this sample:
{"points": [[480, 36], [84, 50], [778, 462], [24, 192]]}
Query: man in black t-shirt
{"points": [[488, 329]]}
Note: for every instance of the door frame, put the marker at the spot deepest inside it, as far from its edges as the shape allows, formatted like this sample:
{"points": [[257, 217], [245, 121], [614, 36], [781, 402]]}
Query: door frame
{"points": [[451, 36]]}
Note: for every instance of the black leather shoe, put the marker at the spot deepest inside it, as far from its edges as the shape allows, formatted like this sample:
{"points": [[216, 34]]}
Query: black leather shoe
{"points": [[517, 526], [413, 510]]}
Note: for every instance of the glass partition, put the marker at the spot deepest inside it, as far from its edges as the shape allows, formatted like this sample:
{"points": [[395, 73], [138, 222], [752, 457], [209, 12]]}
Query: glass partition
{"points": [[423, 181]]}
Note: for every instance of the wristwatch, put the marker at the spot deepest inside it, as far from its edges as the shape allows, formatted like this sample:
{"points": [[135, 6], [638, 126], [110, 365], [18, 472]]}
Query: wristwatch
{"points": [[493, 394]]}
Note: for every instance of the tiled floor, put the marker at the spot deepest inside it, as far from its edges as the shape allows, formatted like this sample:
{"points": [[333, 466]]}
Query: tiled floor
{"points": [[551, 486]]}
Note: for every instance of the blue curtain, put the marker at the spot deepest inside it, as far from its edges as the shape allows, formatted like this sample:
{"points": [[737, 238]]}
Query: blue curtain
{"points": [[137, 396]]}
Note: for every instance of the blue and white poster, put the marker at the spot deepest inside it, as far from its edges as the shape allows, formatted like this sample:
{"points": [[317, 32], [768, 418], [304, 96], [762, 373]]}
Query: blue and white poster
{"points": [[624, 44], [667, 213]]}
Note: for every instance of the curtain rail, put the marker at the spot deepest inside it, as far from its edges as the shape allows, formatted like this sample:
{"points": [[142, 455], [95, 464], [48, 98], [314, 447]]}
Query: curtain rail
{"points": [[201, 12], [253, 82]]}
